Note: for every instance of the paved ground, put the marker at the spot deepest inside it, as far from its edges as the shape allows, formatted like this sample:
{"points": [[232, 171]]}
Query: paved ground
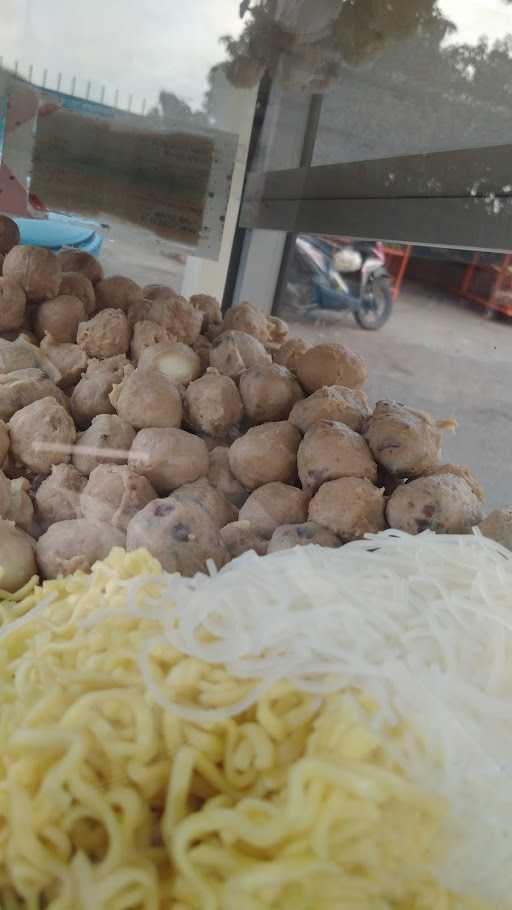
{"points": [[448, 358]]}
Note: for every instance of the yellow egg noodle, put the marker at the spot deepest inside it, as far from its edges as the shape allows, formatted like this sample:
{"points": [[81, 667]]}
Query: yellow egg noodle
{"points": [[109, 801]]}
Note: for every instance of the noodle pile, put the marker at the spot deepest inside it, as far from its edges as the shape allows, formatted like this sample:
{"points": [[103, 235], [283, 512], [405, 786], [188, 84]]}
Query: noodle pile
{"points": [[108, 801]]}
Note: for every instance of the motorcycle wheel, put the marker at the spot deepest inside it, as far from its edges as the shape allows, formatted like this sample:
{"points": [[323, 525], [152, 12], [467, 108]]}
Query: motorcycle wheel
{"points": [[376, 310]]}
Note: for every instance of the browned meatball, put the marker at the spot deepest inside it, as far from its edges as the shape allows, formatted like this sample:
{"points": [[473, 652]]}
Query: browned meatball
{"points": [[334, 402], [203, 494], [13, 304], [350, 507], [247, 318], [23, 387], [71, 546], [288, 354], [90, 397], [222, 478], [76, 284], [181, 535], [117, 293], [210, 307], [498, 526], [213, 404], [444, 503], [58, 497], [107, 441], [147, 398], [404, 441], [331, 364], [59, 318], [269, 393], [330, 450], [273, 504], [9, 234], [234, 352], [147, 334], [264, 454], [68, 359]]}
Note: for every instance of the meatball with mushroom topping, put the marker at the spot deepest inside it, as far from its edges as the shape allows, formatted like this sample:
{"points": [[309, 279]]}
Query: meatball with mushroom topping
{"points": [[234, 352], [114, 494], [72, 546], [57, 498], [107, 432], [269, 393], [331, 364], [181, 535], [331, 450], [105, 335], [264, 454], [35, 429], [441, 502], [404, 441], [17, 557], [169, 457], [147, 398], [334, 402], [213, 404], [37, 270], [349, 507], [302, 535], [273, 504]]}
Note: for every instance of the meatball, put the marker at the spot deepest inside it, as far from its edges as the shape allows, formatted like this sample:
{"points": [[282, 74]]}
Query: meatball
{"points": [[90, 397], [234, 352], [333, 402], [17, 557], [35, 429], [247, 318], [175, 360], [71, 260], [213, 404], [273, 504], [147, 398], [350, 507], [58, 497], [301, 535], [76, 284], [241, 536], [37, 270], [442, 502], [269, 393], [264, 454], [177, 316], [221, 477], [13, 304], [114, 494], [331, 364], [405, 442], [498, 526], [107, 432], [330, 450], [72, 546], [59, 318], [288, 354], [117, 293], [105, 335], [23, 387], [68, 359], [203, 494], [147, 334], [210, 307], [9, 234], [169, 457], [181, 535]]}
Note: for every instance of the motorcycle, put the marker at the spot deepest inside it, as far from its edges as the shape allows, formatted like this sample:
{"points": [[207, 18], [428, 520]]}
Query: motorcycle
{"points": [[349, 277]]}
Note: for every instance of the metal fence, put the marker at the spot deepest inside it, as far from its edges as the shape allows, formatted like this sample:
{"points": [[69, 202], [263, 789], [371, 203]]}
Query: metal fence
{"points": [[86, 89]]}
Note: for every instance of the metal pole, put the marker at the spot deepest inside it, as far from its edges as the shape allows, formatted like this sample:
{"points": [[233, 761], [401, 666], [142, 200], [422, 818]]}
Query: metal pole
{"points": [[30, 72], [144, 107], [45, 77], [16, 64], [116, 98], [88, 90], [103, 90], [130, 102], [73, 85], [59, 81]]}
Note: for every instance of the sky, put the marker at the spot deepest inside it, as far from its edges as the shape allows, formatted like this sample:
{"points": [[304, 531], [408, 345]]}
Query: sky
{"points": [[142, 46], [136, 46]]}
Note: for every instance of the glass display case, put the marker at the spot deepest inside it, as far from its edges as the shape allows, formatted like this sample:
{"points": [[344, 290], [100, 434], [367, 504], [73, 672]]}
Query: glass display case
{"points": [[255, 412]]}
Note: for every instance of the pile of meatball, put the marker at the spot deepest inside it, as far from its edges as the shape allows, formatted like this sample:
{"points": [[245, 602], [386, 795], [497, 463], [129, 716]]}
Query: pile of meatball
{"points": [[132, 417]]}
